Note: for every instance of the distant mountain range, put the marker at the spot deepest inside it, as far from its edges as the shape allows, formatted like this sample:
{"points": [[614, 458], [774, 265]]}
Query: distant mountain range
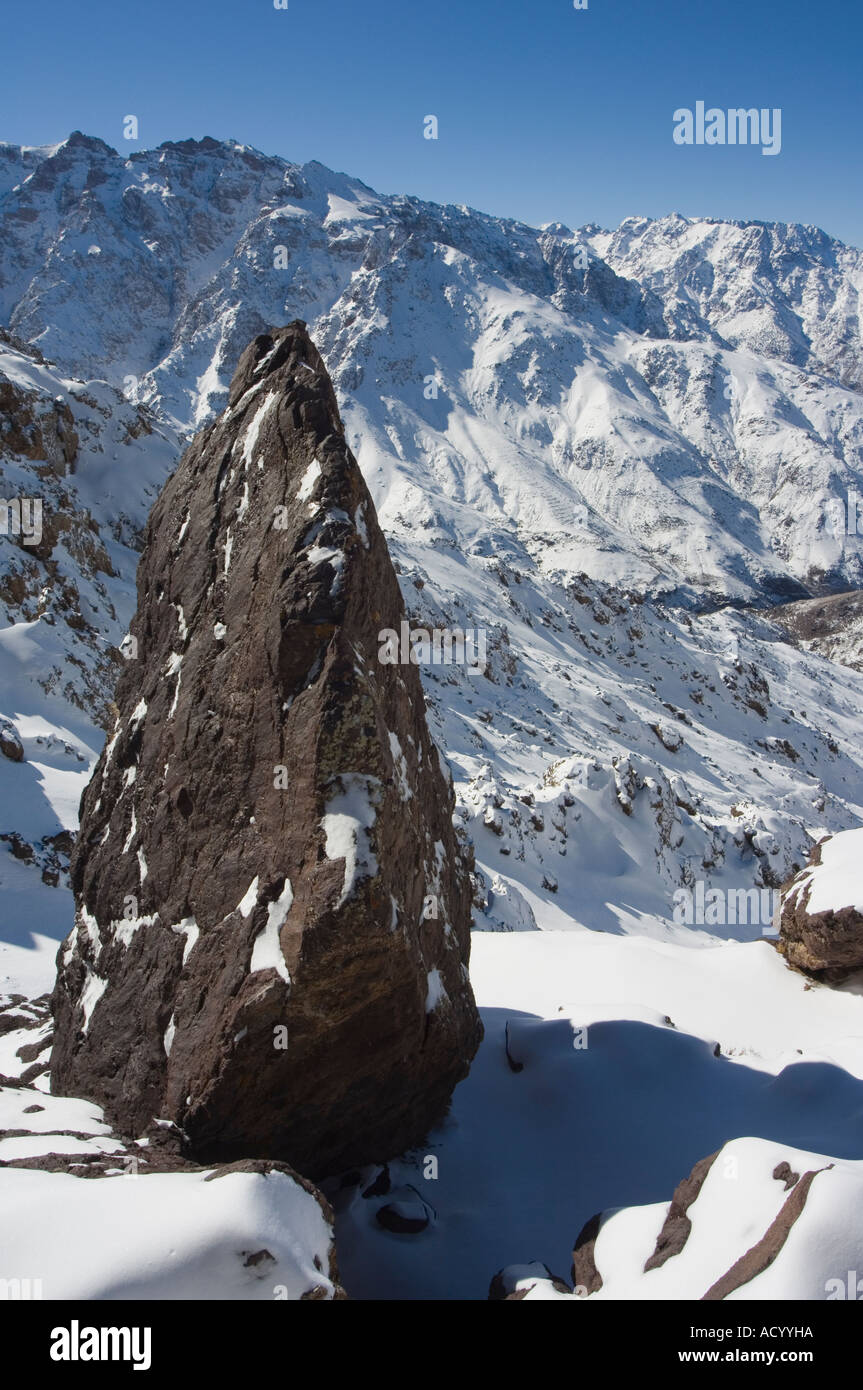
{"points": [[673, 406]]}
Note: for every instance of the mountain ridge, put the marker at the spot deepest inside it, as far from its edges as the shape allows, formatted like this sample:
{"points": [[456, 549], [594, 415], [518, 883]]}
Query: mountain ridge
{"points": [[670, 385]]}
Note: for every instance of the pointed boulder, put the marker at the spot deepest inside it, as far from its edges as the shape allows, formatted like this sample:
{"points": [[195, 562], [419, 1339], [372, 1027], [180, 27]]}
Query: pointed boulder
{"points": [[272, 928]]}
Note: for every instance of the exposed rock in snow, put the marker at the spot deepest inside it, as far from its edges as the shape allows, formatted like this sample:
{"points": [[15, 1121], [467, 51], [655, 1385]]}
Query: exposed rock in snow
{"points": [[10, 744], [822, 910], [515, 1282], [636, 1058], [753, 1221], [301, 1026], [832, 625]]}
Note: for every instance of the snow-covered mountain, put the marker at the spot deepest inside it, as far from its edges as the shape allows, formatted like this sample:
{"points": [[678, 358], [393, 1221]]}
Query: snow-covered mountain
{"points": [[612, 452], [672, 406]]}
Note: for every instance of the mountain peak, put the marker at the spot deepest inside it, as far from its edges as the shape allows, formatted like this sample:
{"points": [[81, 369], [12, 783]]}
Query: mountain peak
{"points": [[206, 145], [79, 141], [290, 346]]}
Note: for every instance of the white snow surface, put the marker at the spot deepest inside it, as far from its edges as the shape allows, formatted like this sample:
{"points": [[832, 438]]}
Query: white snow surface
{"points": [[267, 951], [249, 898], [349, 817], [163, 1236], [308, 480], [436, 992], [736, 1205], [191, 931]]}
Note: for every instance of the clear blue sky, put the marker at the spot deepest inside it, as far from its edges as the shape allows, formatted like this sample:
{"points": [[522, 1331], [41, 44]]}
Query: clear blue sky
{"points": [[546, 113]]}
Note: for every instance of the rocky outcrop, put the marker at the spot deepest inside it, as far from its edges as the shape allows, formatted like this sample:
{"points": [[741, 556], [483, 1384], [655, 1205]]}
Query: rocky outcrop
{"points": [[585, 1274], [677, 1225], [34, 429], [821, 923], [272, 928], [10, 742], [831, 625]]}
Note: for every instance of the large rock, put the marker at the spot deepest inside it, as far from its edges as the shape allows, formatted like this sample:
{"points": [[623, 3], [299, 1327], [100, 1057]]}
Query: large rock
{"points": [[821, 925], [10, 743], [272, 929]]}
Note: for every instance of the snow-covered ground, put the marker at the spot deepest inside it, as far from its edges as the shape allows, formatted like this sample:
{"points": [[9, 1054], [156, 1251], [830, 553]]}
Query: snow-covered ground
{"points": [[164, 1236], [620, 1091], [610, 1066]]}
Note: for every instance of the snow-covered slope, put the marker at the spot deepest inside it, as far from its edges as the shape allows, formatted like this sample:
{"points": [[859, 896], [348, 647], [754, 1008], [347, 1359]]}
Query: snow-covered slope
{"points": [[250, 1231], [94, 462], [169, 1236], [536, 472], [786, 292]]}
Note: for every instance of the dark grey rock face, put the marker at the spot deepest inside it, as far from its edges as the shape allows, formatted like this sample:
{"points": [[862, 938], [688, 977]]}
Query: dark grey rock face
{"points": [[272, 928]]}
